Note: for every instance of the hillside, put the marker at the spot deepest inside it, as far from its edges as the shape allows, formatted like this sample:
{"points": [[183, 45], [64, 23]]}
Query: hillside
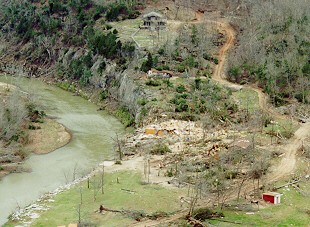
{"points": [[218, 99]]}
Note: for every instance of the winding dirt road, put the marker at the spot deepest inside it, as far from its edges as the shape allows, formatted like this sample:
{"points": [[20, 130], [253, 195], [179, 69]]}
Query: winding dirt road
{"points": [[288, 162]]}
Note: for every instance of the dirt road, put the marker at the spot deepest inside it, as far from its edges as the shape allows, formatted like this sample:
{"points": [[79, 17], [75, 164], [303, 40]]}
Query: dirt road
{"points": [[288, 161]]}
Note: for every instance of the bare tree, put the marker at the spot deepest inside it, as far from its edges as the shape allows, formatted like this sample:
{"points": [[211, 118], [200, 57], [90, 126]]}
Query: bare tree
{"points": [[13, 113], [119, 144], [102, 178]]}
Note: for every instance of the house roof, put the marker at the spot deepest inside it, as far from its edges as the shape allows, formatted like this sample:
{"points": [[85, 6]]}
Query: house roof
{"points": [[272, 193], [152, 14]]}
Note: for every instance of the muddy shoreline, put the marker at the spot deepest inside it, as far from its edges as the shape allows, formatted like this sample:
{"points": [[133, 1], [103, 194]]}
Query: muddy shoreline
{"points": [[47, 137]]}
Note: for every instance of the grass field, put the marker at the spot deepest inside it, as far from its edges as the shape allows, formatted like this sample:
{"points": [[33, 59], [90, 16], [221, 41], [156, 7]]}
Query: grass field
{"points": [[283, 127], [294, 210], [145, 38], [248, 99], [139, 197]]}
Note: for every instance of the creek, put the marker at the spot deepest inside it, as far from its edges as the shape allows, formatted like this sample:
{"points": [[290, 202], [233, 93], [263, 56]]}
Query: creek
{"points": [[91, 144]]}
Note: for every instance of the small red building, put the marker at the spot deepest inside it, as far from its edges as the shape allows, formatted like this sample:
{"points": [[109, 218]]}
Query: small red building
{"points": [[272, 197]]}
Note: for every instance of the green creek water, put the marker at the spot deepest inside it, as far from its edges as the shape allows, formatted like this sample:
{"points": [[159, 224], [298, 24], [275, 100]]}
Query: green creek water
{"points": [[91, 144]]}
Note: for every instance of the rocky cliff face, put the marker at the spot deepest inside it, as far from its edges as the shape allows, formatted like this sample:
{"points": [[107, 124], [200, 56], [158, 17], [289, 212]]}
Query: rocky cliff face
{"points": [[119, 84], [129, 93]]}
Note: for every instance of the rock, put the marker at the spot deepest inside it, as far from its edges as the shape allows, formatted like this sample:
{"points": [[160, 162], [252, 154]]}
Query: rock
{"points": [[10, 158], [34, 216]]}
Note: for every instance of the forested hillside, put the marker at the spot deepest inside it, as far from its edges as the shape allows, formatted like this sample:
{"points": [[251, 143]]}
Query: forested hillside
{"points": [[45, 31], [218, 100], [273, 49]]}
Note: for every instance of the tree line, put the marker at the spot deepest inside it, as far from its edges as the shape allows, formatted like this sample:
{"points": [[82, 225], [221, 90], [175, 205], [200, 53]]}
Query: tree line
{"points": [[273, 49], [50, 28]]}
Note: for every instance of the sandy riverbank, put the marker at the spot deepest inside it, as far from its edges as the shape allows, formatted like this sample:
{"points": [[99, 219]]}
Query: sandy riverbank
{"points": [[47, 137]]}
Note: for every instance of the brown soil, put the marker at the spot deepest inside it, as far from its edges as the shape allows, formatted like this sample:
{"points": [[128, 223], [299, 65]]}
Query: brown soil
{"points": [[48, 138]]}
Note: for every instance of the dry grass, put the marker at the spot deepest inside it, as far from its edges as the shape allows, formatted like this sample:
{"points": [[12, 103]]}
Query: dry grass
{"points": [[49, 137], [145, 38]]}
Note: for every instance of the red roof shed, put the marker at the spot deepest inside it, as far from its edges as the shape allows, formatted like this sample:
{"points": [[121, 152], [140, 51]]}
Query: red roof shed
{"points": [[272, 197]]}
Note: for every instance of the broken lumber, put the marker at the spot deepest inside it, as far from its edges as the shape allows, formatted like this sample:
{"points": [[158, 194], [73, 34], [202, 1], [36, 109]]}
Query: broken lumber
{"points": [[223, 220], [127, 190], [288, 184]]}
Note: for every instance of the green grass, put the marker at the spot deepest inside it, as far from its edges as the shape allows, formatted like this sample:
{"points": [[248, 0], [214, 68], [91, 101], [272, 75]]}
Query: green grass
{"points": [[126, 28], [291, 212], [248, 99], [284, 127], [145, 38], [149, 198]]}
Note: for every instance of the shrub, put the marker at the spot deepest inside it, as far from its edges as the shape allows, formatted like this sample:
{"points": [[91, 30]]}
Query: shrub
{"points": [[160, 149], [77, 41], [188, 117], [180, 89], [101, 67], [163, 67], [169, 173], [182, 106], [143, 112], [153, 83], [87, 60], [85, 76], [95, 12], [115, 10], [205, 213], [108, 27], [159, 68], [178, 97], [56, 6], [161, 51], [32, 127], [206, 56], [142, 101], [168, 83], [104, 44], [197, 83], [181, 68], [302, 97], [104, 95], [234, 73], [124, 116], [128, 49], [147, 64], [190, 62]]}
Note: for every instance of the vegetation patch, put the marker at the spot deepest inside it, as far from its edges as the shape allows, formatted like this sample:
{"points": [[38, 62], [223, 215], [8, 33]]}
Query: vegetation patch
{"points": [[123, 114], [160, 149], [291, 211], [123, 191]]}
